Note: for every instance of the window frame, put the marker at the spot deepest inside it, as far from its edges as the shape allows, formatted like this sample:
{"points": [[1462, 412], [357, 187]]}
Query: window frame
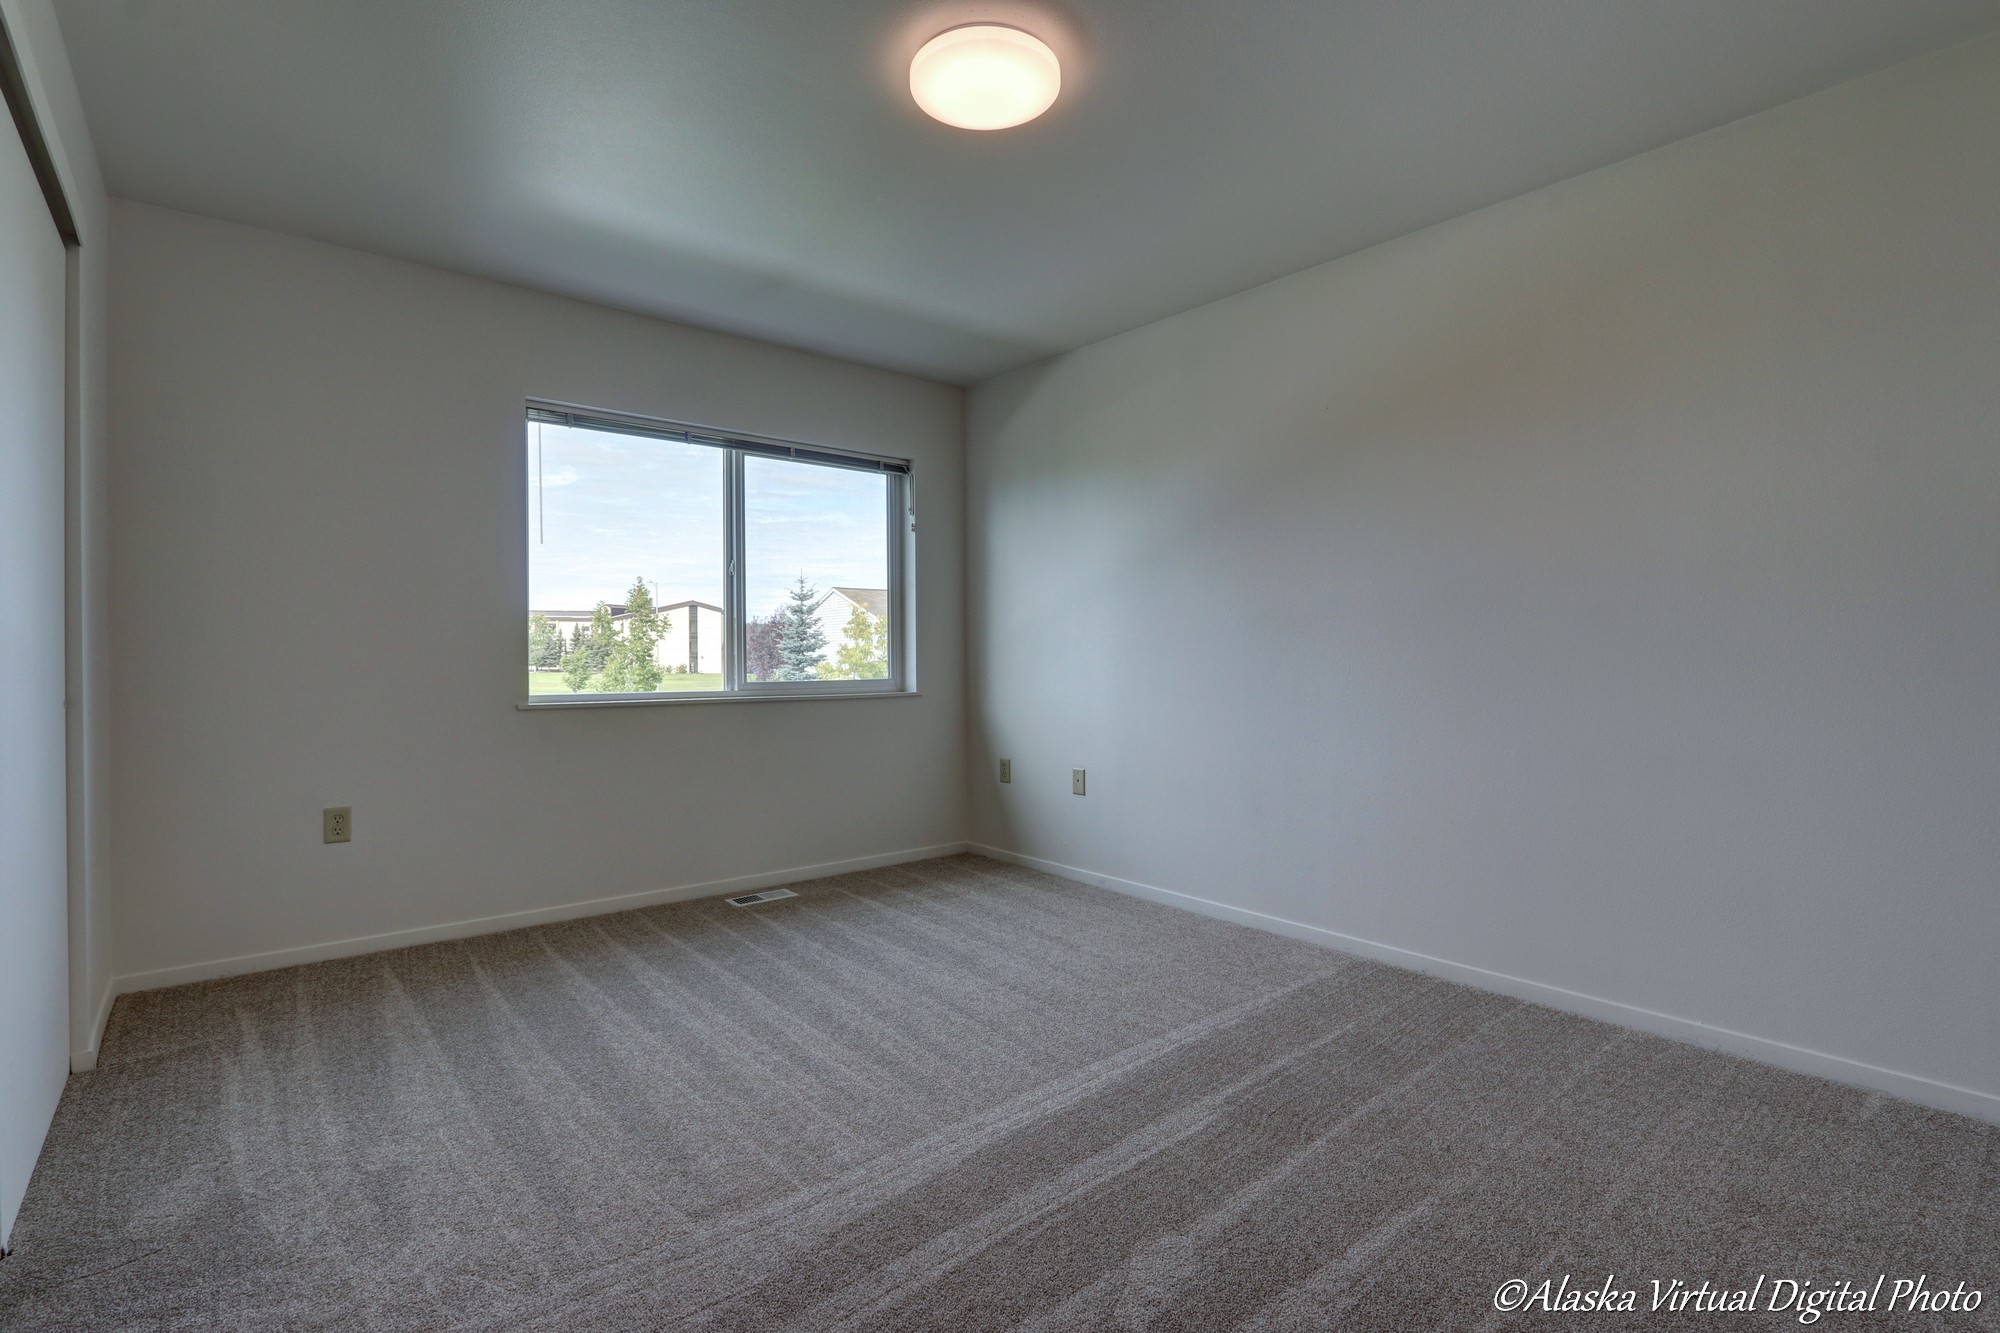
{"points": [[899, 519]]}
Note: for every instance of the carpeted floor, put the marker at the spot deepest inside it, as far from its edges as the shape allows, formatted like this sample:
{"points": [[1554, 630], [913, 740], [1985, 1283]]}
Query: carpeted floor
{"points": [[952, 1095]]}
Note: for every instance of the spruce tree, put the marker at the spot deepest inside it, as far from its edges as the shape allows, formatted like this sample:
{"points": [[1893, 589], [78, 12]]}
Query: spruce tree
{"points": [[801, 640]]}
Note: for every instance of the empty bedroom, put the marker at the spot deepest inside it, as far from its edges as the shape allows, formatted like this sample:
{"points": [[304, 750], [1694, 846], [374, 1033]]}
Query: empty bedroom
{"points": [[999, 664]]}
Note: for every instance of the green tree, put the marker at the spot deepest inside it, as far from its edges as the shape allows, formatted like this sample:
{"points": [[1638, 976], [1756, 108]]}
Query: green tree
{"points": [[631, 665], [801, 640], [863, 653], [545, 642], [589, 649], [760, 646]]}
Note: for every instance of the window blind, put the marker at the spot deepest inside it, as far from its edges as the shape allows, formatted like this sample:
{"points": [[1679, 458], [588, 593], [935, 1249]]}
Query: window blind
{"points": [[550, 414]]}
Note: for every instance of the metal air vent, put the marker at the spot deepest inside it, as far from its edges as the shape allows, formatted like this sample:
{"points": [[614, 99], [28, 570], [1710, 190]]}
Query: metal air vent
{"points": [[767, 896]]}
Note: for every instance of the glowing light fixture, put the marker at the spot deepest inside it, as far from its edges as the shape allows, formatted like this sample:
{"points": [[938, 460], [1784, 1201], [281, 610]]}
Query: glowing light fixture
{"points": [[985, 76]]}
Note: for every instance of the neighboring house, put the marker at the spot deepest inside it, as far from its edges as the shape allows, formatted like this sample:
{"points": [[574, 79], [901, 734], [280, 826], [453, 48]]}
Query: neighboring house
{"points": [[838, 607], [693, 639]]}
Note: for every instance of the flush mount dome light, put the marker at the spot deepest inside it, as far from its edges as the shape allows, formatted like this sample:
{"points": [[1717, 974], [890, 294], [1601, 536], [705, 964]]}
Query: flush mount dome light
{"points": [[985, 76]]}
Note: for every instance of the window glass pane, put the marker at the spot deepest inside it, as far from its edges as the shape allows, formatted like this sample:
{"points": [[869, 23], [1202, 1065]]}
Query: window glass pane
{"points": [[625, 563], [816, 572]]}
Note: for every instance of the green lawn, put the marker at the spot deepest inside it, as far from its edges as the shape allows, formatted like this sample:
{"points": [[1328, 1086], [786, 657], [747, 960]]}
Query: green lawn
{"points": [[551, 682]]}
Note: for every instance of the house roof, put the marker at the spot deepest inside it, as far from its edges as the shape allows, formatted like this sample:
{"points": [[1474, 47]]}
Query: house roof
{"points": [[619, 610], [875, 601]]}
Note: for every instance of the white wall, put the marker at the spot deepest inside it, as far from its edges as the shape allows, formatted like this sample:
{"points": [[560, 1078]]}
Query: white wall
{"points": [[319, 585], [1618, 570]]}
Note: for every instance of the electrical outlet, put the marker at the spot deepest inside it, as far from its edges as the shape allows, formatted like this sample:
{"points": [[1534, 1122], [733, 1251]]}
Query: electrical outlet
{"points": [[1076, 781], [336, 823], [1006, 770]]}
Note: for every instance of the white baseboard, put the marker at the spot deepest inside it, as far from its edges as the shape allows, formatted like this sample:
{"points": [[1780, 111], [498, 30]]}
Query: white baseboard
{"points": [[1800, 1059], [487, 925], [84, 1060]]}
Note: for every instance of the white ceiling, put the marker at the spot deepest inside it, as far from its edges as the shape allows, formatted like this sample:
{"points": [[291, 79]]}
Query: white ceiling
{"points": [[757, 166]]}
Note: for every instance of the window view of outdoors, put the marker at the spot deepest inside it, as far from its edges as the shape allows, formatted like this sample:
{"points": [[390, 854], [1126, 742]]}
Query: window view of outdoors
{"points": [[625, 563], [816, 572], [627, 566]]}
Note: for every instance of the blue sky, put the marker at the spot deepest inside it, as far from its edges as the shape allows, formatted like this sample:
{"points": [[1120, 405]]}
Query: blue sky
{"points": [[604, 508]]}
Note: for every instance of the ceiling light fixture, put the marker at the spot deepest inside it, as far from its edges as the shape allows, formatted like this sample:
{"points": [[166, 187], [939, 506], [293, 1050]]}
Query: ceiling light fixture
{"points": [[985, 76]]}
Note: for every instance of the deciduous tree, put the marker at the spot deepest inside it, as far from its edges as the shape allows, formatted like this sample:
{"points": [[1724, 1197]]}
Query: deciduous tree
{"points": [[545, 642], [863, 653], [631, 666], [589, 649], [760, 646]]}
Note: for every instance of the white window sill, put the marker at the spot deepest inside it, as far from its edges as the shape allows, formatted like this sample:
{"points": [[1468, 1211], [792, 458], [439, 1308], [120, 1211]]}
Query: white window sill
{"points": [[732, 697]]}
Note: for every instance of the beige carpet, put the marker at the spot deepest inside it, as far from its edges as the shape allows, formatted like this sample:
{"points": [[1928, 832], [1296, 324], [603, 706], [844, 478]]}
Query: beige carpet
{"points": [[952, 1095]]}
